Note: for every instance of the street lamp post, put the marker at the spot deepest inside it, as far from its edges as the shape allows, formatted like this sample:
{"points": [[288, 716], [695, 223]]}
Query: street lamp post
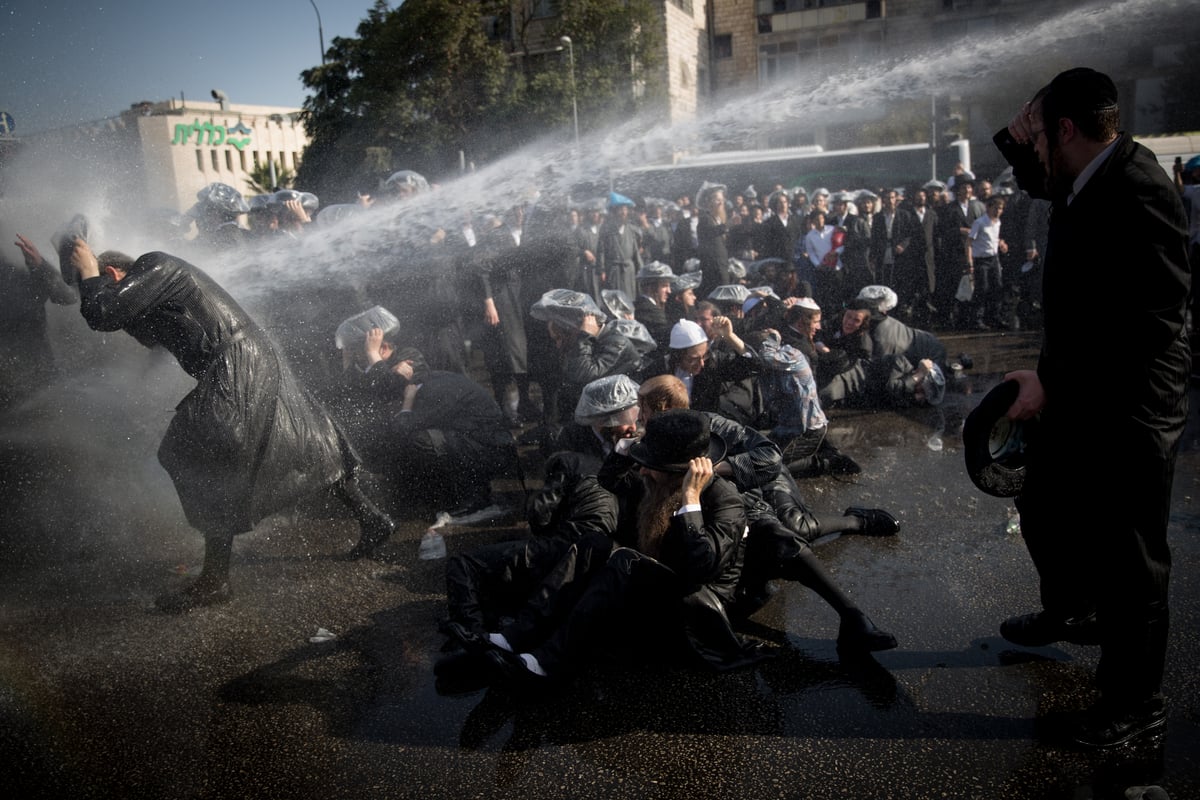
{"points": [[566, 40], [320, 32]]}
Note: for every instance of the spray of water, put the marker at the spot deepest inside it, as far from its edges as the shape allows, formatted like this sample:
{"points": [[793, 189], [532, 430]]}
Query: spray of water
{"points": [[116, 387]]}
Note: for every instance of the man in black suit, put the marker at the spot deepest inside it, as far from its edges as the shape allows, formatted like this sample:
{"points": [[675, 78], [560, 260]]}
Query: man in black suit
{"points": [[1103, 572], [780, 231], [954, 223], [898, 248]]}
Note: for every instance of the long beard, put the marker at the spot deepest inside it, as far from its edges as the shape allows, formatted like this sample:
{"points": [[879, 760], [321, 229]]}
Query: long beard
{"points": [[658, 505]]}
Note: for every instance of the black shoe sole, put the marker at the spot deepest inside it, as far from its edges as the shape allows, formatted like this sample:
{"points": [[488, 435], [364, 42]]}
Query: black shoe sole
{"points": [[1152, 727]]}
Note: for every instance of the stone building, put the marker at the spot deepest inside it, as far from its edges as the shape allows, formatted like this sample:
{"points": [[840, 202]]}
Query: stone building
{"points": [[158, 155]]}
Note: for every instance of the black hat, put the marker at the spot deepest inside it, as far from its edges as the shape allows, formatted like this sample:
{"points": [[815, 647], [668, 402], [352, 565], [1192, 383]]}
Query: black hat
{"points": [[1085, 89], [675, 437], [994, 445]]}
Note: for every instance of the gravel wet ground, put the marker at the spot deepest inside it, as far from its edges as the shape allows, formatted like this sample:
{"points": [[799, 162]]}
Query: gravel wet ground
{"points": [[102, 696]]}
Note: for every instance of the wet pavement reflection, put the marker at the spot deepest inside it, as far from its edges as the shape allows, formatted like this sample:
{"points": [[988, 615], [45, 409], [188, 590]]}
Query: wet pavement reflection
{"points": [[105, 697]]}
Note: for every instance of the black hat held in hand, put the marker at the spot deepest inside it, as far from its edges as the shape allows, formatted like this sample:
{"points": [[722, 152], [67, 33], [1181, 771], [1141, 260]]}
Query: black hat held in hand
{"points": [[994, 445]]}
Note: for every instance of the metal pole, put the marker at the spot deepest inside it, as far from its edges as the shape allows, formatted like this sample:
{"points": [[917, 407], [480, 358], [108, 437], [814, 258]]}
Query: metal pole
{"points": [[574, 97], [933, 137], [320, 31]]}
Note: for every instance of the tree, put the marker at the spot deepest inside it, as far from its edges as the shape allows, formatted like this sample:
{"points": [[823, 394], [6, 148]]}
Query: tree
{"points": [[259, 178], [429, 81]]}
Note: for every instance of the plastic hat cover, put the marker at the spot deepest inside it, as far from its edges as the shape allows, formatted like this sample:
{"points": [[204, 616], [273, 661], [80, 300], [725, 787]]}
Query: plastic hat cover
{"points": [[765, 291], [224, 197], [617, 302], [308, 200], [688, 280], [637, 333], [353, 331], [406, 177], [605, 397], [729, 293], [655, 270], [884, 298], [565, 306]]}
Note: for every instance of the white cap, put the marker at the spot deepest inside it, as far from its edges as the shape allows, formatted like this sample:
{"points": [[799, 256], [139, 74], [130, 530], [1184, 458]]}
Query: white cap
{"points": [[686, 334], [809, 303]]}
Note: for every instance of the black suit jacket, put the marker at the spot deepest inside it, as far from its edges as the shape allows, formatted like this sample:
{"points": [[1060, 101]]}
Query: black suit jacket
{"points": [[776, 240]]}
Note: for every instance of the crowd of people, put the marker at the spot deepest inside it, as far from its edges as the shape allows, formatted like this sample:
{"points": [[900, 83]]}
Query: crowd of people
{"points": [[683, 376]]}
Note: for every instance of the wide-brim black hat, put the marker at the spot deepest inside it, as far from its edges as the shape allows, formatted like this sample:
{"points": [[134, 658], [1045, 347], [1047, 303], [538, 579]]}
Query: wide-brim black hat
{"points": [[994, 445], [673, 438]]}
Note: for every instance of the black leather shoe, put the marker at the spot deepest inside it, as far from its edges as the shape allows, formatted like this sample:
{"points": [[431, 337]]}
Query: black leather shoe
{"points": [[876, 521], [857, 634], [509, 670], [1105, 726], [841, 464], [1043, 628], [373, 532], [469, 640]]}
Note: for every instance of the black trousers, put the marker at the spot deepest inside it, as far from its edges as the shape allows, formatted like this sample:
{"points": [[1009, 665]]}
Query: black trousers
{"points": [[1113, 559]]}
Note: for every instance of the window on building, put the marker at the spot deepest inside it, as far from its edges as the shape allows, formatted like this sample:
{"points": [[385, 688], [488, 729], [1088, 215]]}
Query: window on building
{"points": [[686, 5], [296, 160], [764, 23], [256, 161], [778, 62], [199, 160], [874, 9], [723, 45], [498, 28], [215, 162], [229, 160], [242, 159]]}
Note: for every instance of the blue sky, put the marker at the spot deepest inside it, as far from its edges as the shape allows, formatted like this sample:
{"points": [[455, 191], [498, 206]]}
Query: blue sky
{"points": [[68, 61]]}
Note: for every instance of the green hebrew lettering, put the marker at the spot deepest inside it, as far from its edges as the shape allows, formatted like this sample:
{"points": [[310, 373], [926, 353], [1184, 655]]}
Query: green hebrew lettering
{"points": [[207, 128], [182, 133], [240, 144]]}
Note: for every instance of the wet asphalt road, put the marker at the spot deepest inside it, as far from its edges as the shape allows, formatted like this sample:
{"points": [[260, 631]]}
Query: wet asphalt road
{"points": [[102, 696]]}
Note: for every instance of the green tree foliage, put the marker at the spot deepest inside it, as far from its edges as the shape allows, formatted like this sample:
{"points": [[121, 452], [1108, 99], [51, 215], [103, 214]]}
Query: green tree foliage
{"points": [[433, 81], [258, 180]]}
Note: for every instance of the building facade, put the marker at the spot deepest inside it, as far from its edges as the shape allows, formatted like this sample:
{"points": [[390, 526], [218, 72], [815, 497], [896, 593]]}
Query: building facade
{"points": [[158, 155]]}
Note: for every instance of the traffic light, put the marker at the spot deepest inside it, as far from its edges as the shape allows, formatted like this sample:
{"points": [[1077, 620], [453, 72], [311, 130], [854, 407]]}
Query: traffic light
{"points": [[952, 123], [951, 129]]}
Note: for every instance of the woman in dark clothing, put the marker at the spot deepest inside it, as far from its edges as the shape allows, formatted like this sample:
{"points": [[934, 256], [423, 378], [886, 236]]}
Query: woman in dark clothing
{"points": [[712, 233]]}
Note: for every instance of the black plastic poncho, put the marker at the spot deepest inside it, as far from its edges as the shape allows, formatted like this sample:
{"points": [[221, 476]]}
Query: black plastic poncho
{"points": [[248, 440]]}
